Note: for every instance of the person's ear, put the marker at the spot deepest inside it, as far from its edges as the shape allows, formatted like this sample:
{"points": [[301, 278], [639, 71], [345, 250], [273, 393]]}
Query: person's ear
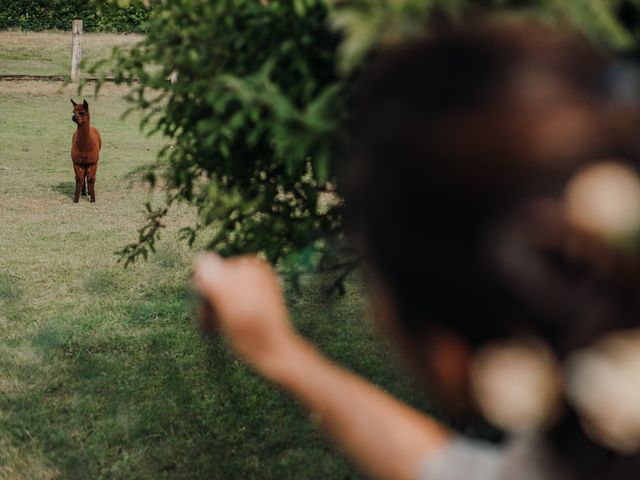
{"points": [[385, 314], [447, 357]]}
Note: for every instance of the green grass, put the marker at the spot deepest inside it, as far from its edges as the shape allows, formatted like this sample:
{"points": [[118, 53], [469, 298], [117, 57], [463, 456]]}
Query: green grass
{"points": [[103, 373], [49, 53]]}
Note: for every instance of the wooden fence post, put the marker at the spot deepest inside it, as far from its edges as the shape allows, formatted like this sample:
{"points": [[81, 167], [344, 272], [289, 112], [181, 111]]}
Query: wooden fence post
{"points": [[76, 50]]}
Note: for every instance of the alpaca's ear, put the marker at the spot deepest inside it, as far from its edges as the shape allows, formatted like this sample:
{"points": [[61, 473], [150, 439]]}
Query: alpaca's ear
{"points": [[85, 105], [74, 103]]}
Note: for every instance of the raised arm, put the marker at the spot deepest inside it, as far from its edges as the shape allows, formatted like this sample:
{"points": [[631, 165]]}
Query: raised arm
{"points": [[387, 438]]}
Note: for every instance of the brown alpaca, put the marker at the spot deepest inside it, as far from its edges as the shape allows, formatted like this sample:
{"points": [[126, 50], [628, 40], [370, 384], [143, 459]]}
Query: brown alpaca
{"points": [[85, 151]]}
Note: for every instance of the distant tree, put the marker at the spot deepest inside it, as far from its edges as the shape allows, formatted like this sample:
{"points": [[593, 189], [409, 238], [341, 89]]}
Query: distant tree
{"points": [[263, 91]]}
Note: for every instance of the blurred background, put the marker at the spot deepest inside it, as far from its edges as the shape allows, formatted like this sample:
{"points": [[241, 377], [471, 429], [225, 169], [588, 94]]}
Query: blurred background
{"points": [[224, 123]]}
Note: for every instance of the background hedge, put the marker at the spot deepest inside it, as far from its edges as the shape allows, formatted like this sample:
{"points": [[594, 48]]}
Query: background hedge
{"points": [[98, 15]]}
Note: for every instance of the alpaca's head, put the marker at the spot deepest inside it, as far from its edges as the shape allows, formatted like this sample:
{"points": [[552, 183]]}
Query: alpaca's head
{"points": [[80, 112]]}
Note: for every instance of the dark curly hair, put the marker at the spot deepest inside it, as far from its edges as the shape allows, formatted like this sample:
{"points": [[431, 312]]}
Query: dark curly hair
{"points": [[464, 142]]}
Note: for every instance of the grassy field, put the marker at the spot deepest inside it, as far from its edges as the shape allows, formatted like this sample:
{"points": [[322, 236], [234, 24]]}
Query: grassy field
{"points": [[49, 53], [103, 373]]}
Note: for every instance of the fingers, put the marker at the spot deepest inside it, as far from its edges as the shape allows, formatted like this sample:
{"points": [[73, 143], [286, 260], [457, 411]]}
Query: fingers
{"points": [[242, 299], [221, 281], [208, 274]]}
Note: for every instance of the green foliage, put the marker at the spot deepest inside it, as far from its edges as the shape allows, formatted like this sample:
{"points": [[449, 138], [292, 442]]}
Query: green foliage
{"points": [[263, 92], [367, 23], [255, 117], [97, 15]]}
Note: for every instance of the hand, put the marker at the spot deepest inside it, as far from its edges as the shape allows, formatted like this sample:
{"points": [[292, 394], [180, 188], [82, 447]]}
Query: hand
{"points": [[244, 301]]}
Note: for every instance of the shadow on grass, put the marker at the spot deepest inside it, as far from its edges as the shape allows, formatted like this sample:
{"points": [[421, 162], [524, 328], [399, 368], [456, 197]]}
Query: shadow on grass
{"points": [[66, 189], [147, 397], [102, 282], [138, 393], [10, 290]]}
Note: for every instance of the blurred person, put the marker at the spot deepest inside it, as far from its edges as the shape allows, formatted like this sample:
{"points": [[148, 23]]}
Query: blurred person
{"points": [[493, 187]]}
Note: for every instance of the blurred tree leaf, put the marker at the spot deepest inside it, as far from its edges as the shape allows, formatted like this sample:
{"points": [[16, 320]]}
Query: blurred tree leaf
{"points": [[366, 24], [258, 100]]}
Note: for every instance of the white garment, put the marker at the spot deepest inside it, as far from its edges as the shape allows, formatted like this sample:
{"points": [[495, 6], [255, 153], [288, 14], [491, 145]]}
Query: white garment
{"points": [[466, 459]]}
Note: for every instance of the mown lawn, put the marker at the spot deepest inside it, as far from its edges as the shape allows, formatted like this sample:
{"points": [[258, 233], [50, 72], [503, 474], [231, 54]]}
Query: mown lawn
{"points": [[102, 373], [49, 53]]}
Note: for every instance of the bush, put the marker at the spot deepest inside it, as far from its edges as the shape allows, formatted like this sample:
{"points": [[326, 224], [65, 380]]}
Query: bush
{"points": [[255, 118], [259, 108], [98, 15]]}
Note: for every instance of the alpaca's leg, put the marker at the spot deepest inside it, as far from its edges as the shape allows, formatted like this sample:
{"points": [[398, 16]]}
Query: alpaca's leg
{"points": [[85, 184], [91, 181], [79, 172]]}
